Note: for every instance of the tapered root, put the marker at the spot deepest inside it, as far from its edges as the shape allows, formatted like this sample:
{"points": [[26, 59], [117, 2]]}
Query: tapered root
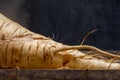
{"points": [[83, 47]]}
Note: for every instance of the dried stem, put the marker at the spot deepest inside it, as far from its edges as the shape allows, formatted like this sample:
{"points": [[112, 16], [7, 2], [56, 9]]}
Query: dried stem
{"points": [[88, 35]]}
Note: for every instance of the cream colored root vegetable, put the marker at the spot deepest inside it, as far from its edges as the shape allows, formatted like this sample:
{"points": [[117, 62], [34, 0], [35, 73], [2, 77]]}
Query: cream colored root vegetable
{"points": [[22, 48]]}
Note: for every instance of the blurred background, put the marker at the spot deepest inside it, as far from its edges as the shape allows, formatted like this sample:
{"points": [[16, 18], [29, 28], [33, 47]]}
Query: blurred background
{"points": [[68, 21]]}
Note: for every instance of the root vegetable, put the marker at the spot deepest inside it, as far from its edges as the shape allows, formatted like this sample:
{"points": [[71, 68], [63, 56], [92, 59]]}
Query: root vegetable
{"points": [[22, 48]]}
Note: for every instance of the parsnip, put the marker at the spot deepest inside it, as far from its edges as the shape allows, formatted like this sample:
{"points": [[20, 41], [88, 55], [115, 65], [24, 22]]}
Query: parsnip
{"points": [[10, 29], [22, 48]]}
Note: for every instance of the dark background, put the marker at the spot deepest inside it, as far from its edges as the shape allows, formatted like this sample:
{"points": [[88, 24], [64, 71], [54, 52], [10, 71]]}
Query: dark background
{"points": [[68, 21]]}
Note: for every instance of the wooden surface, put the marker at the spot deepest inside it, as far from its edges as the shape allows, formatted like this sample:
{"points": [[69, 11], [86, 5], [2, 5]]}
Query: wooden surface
{"points": [[59, 74]]}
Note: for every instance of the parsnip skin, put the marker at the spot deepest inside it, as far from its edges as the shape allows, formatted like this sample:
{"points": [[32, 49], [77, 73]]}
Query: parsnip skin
{"points": [[22, 48], [10, 29], [27, 53]]}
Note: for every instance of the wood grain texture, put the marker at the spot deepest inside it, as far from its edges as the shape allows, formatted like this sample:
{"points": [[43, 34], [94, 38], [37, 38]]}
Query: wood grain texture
{"points": [[59, 74]]}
